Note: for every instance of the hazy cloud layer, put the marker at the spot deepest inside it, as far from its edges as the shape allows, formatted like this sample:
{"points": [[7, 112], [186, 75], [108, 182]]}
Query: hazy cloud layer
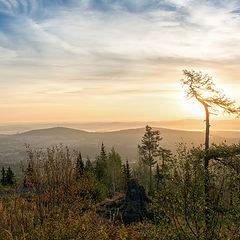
{"points": [[113, 46]]}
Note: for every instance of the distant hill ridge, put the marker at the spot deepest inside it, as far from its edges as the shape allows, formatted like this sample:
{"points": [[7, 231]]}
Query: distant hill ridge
{"points": [[185, 124], [125, 142], [66, 130], [51, 131]]}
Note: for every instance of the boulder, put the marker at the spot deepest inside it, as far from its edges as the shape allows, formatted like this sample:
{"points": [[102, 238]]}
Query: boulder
{"points": [[131, 208]]}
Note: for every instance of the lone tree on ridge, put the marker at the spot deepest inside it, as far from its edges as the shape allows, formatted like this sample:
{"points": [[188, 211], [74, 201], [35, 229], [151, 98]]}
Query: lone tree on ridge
{"points": [[201, 87]]}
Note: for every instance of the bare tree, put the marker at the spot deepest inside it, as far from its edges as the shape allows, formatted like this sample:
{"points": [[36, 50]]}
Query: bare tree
{"points": [[201, 87]]}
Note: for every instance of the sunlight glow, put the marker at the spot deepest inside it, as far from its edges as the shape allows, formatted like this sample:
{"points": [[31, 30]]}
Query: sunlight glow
{"points": [[76, 65], [194, 107]]}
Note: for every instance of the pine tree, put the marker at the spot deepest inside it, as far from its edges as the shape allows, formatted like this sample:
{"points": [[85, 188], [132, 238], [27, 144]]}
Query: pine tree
{"points": [[103, 154], [79, 169], [3, 179], [149, 150], [10, 177], [89, 166], [201, 87], [126, 175], [158, 176], [101, 165], [165, 155]]}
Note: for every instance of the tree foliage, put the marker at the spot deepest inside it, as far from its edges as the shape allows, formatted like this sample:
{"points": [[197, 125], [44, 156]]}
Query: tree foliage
{"points": [[148, 150], [79, 168], [201, 87], [58, 206], [101, 165], [8, 177]]}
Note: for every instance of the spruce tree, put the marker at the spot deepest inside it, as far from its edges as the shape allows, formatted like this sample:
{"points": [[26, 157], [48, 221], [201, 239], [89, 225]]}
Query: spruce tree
{"points": [[101, 165], [3, 179], [126, 175], [79, 169], [10, 177], [103, 154], [89, 166]]}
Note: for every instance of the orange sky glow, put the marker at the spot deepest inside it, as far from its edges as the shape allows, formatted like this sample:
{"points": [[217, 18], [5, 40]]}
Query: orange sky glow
{"points": [[122, 61]]}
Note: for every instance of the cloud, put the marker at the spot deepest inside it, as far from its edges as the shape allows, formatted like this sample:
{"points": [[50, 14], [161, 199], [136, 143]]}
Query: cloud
{"points": [[103, 44], [110, 92]]}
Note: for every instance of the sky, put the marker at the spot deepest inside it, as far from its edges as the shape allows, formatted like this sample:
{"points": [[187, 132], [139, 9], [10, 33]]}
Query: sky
{"points": [[113, 60]]}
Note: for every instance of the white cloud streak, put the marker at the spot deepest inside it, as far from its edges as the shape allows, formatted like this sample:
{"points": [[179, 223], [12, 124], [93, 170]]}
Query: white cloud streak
{"points": [[139, 43]]}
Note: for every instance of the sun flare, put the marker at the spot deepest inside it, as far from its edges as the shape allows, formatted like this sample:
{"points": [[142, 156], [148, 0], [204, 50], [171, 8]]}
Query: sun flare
{"points": [[194, 107]]}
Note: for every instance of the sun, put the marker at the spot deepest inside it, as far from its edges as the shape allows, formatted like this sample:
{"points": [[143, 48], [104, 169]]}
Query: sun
{"points": [[194, 107]]}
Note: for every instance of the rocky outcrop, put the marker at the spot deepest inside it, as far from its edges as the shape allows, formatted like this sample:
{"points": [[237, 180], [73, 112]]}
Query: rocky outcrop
{"points": [[135, 206], [131, 208]]}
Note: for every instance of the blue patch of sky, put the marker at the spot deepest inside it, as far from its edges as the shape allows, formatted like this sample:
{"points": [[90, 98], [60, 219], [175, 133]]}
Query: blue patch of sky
{"points": [[33, 8], [133, 6], [24, 7], [222, 4], [6, 22], [12, 11], [237, 11]]}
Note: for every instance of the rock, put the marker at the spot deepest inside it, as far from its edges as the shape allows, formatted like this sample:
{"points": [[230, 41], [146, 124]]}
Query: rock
{"points": [[135, 206], [131, 208]]}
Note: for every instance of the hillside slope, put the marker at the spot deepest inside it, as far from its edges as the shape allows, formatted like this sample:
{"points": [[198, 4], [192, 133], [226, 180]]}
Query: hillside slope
{"points": [[12, 147]]}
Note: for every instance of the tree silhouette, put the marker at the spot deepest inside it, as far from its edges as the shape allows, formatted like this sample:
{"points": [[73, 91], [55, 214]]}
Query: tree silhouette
{"points": [[201, 87], [10, 177], [148, 150], [3, 179], [101, 165], [126, 175], [79, 169], [165, 155], [158, 176], [89, 166]]}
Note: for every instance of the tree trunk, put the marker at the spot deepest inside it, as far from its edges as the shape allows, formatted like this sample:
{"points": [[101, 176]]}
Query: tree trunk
{"points": [[206, 176], [207, 128], [163, 160], [150, 184], [113, 180]]}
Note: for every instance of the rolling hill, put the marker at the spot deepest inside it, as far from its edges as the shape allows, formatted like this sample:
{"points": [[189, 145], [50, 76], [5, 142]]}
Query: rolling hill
{"points": [[12, 147]]}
